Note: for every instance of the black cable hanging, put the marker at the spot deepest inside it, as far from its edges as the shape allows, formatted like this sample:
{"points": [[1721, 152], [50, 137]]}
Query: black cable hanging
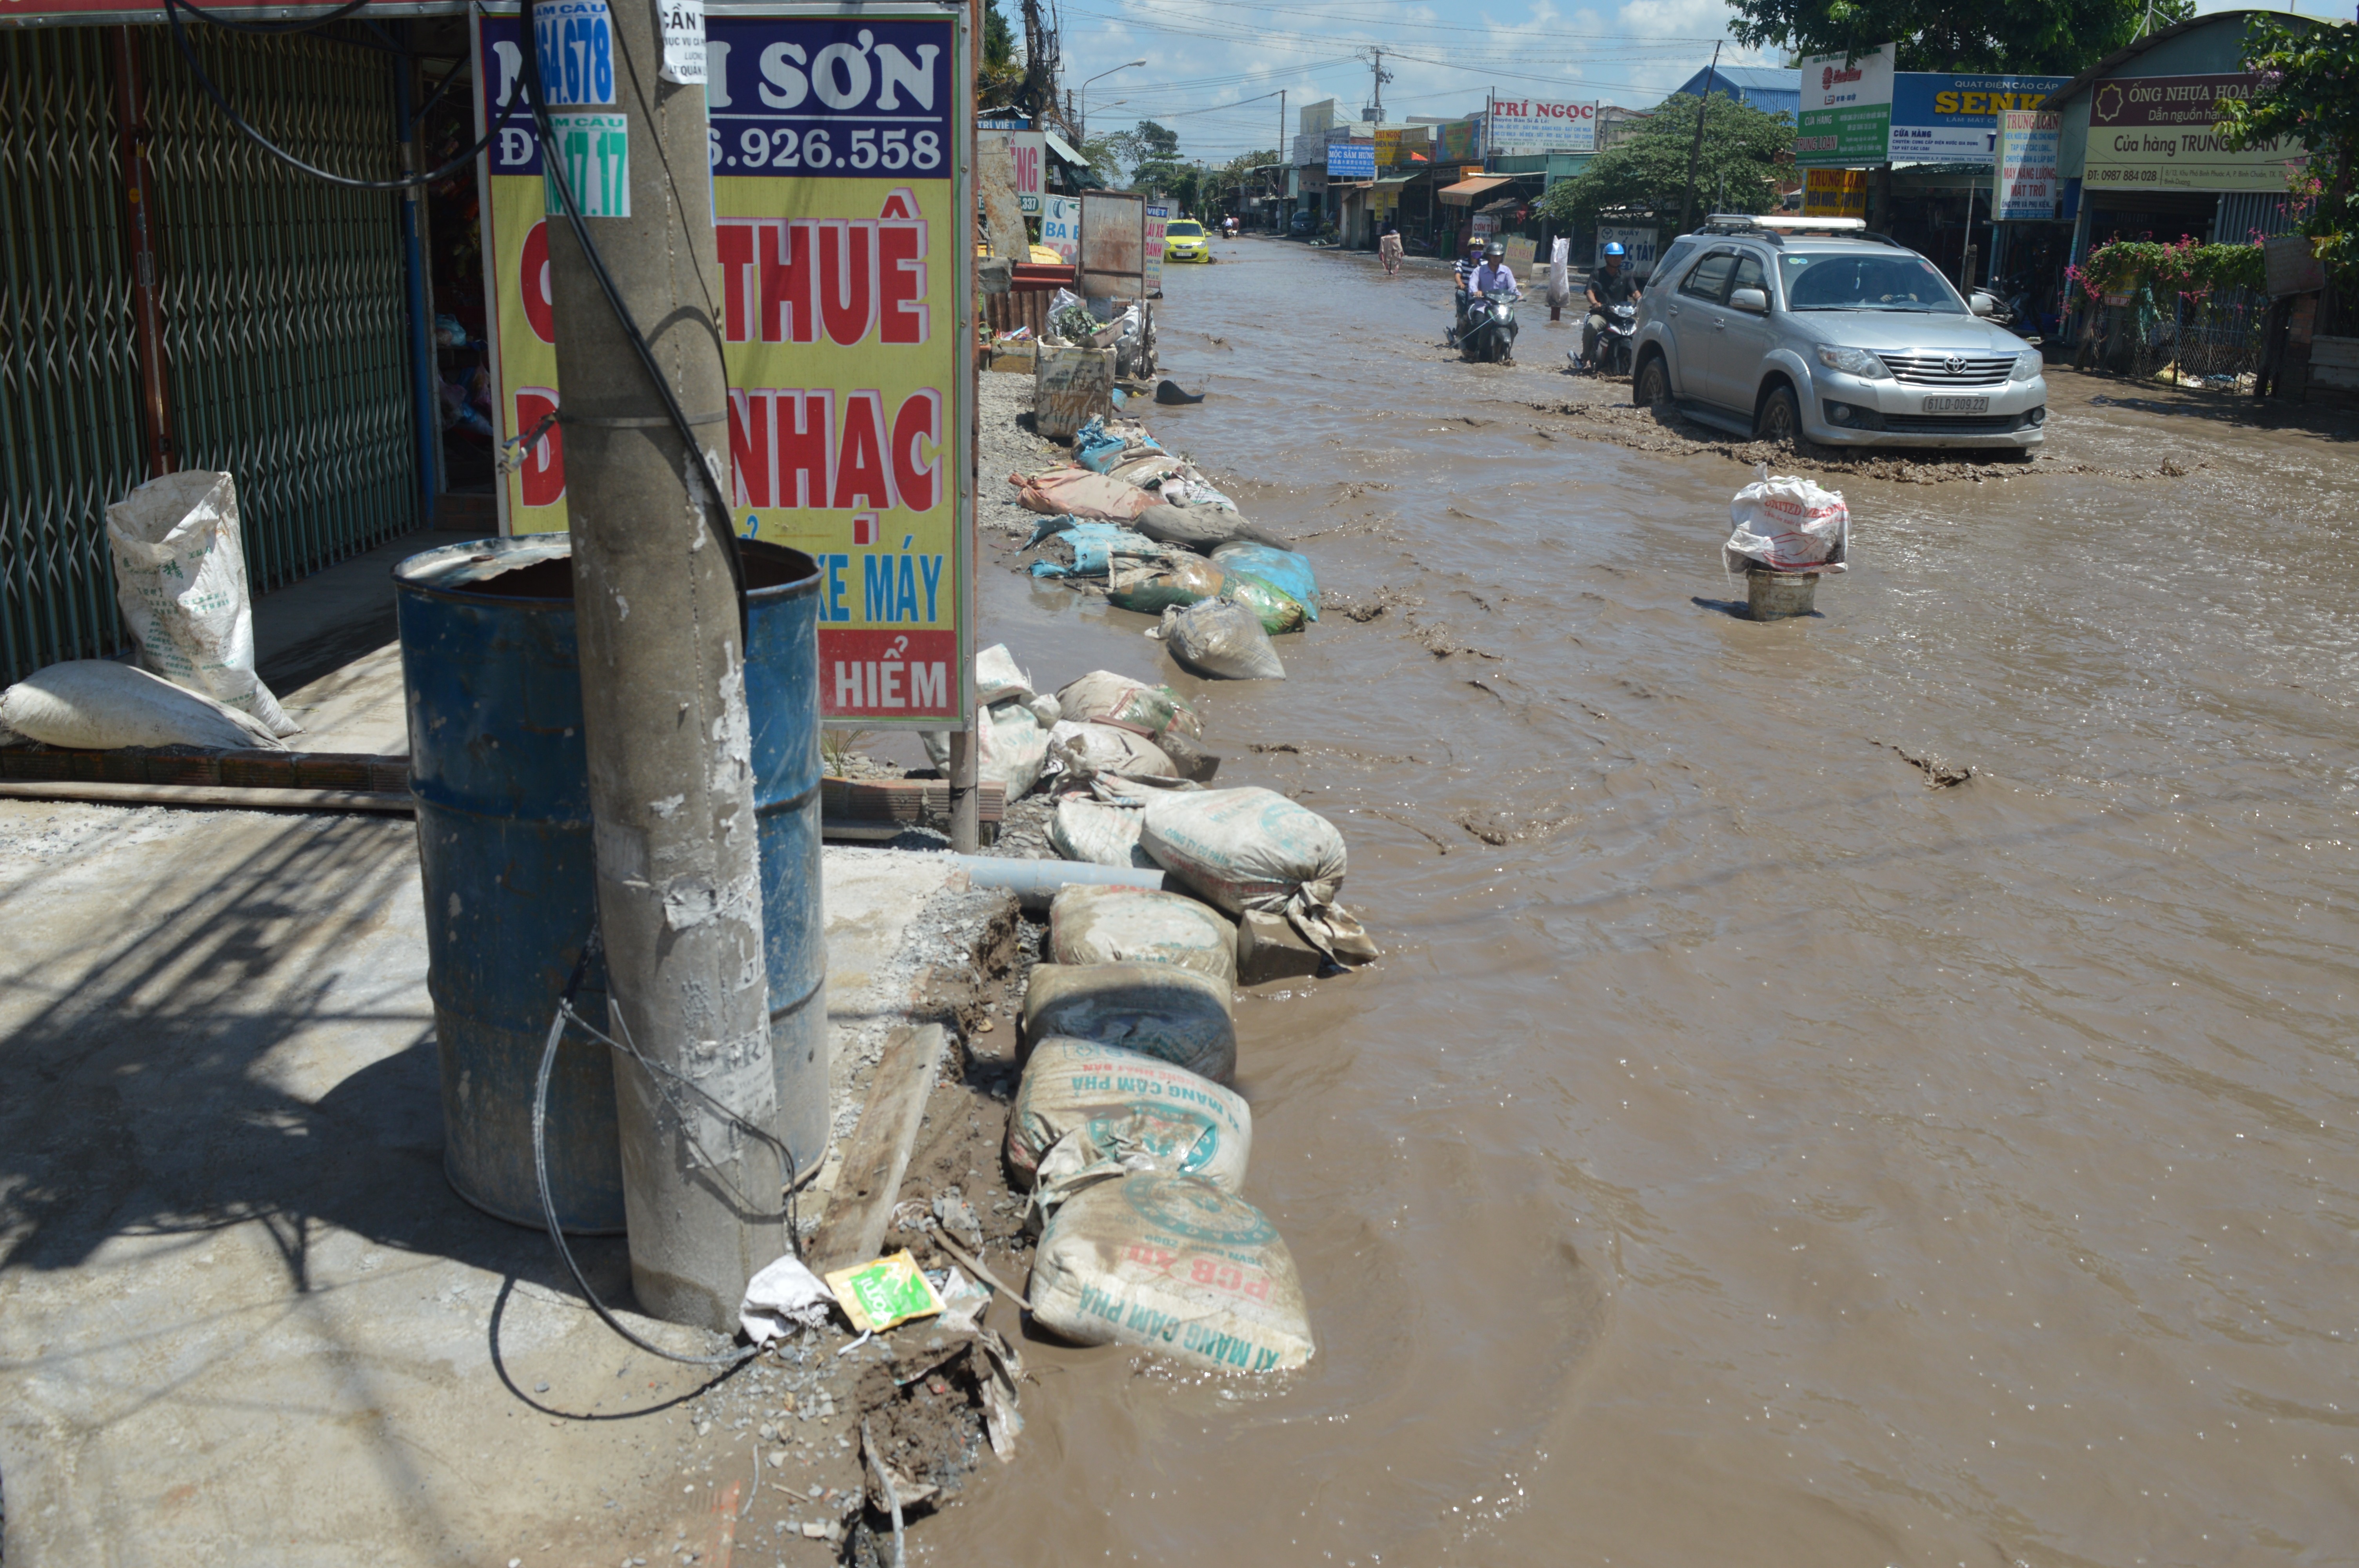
{"points": [[172, 9]]}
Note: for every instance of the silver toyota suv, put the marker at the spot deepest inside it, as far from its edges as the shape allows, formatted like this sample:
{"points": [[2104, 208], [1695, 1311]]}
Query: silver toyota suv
{"points": [[1812, 329]]}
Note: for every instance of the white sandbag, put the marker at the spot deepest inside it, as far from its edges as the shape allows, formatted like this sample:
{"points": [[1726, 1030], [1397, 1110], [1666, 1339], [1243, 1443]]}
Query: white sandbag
{"points": [[1011, 746], [996, 677], [1255, 849], [1787, 523], [1220, 639], [97, 704], [1107, 696], [1093, 925], [1086, 829], [1140, 1113], [1174, 1264], [1163, 1011], [179, 575], [1082, 752]]}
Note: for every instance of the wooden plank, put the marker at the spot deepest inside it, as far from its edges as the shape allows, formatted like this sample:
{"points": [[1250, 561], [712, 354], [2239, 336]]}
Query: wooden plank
{"points": [[235, 798], [878, 1155]]}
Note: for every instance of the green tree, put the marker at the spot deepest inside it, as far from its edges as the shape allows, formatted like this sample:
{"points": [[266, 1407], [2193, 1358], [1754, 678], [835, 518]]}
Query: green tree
{"points": [[2309, 91], [1742, 151], [1000, 80], [2036, 37]]}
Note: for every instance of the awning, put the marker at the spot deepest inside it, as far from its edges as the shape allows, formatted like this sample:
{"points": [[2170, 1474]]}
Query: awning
{"points": [[1394, 183], [1064, 150], [1463, 194], [1501, 205]]}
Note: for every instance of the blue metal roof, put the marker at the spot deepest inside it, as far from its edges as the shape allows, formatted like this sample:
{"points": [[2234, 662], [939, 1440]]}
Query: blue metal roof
{"points": [[1763, 87]]}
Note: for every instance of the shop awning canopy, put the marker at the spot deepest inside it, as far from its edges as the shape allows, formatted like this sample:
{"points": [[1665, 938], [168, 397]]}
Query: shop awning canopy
{"points": [[1064, 150], [1394, 183], [1463, 193]]}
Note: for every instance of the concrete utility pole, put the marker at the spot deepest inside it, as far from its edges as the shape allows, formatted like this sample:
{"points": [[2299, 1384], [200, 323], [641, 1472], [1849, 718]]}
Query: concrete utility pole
{"points": [[1695, 152], [663, 700]]}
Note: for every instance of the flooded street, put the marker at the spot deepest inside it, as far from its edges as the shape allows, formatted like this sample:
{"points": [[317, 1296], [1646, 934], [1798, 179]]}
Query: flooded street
{"points": [[1750, 1149]]}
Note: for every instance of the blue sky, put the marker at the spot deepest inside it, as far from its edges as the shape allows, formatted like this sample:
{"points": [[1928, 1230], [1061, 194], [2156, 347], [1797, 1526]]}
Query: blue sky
{"points": [[1216, 65]]}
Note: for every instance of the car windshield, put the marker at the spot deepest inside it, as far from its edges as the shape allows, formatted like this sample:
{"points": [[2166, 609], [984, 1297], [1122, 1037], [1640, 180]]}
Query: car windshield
{"points": [[1184, 231], [1847, 280]]}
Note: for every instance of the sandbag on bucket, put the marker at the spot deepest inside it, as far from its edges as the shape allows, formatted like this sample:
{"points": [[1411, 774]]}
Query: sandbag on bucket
{"points": [[1140, 1113], [1176, 1015], [1787, 524], [1093, 925], [1284, 570], [1254, 849], [1221, 638], [1174, 1264]]}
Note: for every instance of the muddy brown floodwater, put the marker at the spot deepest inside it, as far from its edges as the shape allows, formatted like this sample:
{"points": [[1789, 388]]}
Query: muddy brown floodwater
{"points": [[1757, 1148]]}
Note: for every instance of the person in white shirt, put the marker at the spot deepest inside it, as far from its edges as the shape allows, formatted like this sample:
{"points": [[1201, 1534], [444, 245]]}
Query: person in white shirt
{"points": [[1495, 275]]}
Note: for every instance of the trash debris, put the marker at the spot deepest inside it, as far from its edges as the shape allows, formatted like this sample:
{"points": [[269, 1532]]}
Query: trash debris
{"points": [[1174, 1264], [99, 705], [1180, 579], [891, 1290], [1137, 1111], [1086, 829], [1163, 1011], [1102, 448], [1221, 638], [1278, 613], [1169, 391], [180, 576], [1255, 849], [1284, 570], [1125, 925], [963, 1302], [783, 1296], [1096, 550], [956, 1215], [1788, 524]]}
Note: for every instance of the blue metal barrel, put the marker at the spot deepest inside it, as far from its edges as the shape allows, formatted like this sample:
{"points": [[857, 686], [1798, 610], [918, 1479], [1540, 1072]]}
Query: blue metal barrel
{"points": [[501, 777]]}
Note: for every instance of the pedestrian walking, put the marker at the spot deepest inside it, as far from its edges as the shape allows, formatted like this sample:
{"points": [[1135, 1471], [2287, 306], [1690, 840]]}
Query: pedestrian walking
{"points": [[1388, 248]]}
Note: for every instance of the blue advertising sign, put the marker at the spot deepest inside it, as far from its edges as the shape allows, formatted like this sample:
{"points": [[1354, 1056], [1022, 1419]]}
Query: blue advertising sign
{"points": [[1941, 117], [1351, 160]]}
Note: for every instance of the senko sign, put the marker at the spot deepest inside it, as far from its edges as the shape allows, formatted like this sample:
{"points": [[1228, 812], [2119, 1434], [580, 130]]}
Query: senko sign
{"points": [[841, 217]]}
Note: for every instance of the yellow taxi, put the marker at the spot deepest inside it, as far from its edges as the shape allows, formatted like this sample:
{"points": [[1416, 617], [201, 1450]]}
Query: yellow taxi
{"points": [[1184, 240]]}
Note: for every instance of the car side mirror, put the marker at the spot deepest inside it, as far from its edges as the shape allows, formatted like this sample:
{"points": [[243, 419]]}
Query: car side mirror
{"points": [[1751, 300], [1982, 304]]}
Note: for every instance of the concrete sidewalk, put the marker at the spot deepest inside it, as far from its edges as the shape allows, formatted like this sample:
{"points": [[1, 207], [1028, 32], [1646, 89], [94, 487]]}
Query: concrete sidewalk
{"points": [[243, 1320]]}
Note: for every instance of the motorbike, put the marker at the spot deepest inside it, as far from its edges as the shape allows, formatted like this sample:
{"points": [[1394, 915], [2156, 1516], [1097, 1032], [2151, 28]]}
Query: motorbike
{"points": [[2006, 312], [1489, 336], [1617, 341]]}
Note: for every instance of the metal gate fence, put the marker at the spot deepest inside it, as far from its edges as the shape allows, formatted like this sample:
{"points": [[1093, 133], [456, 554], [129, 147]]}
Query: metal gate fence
{"points": [[283, 315]]}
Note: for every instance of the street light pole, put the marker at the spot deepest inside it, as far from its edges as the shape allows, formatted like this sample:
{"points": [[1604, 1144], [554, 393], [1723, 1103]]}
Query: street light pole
{"points": [[1085, 93]]}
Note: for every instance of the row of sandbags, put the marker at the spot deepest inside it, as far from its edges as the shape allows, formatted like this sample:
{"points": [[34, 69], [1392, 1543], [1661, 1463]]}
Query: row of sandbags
{"points": [[1162, 540]]}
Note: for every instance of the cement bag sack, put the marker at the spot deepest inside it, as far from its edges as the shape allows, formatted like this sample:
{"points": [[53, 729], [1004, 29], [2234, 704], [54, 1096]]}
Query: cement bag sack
{"points": [[179, 575], [1012, 747], [1284, 570], [1083, 752], [1278, 613], [1180, 581], [1134, 926], [996, 678], [1199, 528], [1102, 835], [1174, 1015], [1254, 849], [1141, 1114], [1069, 491], [1110, 698], [1786, 525], [1174, 1264], [1221, 638], [99, 705], [1150, 471]]}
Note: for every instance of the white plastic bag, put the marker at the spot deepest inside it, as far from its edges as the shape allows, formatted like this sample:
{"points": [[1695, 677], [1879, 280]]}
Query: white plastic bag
{"points": [[99, 705], [784, 1295], [1174, 1264], [1254, 849], [1560, 279], [1086, 829], [1220, 638], [1785, 524], [1142, 1114], [179, 575], [1093, 925]]}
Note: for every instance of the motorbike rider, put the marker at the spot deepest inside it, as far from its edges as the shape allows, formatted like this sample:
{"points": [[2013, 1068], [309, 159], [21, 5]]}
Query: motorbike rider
{"points": [[1609, 285], [1493, 276]]}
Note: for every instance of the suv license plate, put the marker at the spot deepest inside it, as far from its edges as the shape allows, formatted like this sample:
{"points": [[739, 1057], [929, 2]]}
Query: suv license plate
{"points": [[1957, 405]]}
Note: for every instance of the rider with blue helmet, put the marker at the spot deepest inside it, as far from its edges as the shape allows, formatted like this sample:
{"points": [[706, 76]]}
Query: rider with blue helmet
{"points": [[1609, 285]]}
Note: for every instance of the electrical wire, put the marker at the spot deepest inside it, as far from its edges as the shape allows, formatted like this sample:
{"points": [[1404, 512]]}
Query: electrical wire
{"points": [[172, 9]]}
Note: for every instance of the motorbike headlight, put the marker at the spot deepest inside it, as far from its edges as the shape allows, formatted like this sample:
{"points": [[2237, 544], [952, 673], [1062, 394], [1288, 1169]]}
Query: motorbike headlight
{"points": [[1854, 361], [2027, 366]]}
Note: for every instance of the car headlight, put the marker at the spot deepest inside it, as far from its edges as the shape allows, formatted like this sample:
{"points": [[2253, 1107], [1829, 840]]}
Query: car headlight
{"points": [[1854, 361], [2027, 366]]}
